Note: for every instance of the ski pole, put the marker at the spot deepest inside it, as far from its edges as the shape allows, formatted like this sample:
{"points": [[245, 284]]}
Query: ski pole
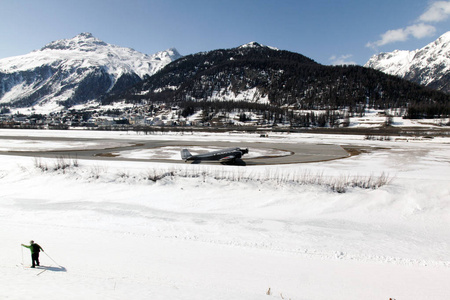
{"points": [[52, 259]]}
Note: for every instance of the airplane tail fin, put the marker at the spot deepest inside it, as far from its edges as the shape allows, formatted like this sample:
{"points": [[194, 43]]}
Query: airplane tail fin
{"points": [[185, 154]]}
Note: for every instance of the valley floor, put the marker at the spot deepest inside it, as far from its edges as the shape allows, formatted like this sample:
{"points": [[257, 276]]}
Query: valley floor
{"points": [[229, 232]]}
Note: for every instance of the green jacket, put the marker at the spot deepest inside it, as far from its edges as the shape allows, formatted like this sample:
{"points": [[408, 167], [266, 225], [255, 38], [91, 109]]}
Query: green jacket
{"points": [[34, 248]]}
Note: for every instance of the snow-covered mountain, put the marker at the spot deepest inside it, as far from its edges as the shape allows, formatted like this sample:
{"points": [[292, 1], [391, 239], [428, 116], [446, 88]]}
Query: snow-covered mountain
{"points": [[73, 71], [256, 45], [429, 66]]}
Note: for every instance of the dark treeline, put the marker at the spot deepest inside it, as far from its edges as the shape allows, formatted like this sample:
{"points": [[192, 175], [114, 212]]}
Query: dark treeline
{"points": [[189, 107], [428, 110]]}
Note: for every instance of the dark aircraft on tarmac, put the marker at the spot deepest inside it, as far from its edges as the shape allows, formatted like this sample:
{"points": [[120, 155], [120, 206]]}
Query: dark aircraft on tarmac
{"points": [[226, 156]]}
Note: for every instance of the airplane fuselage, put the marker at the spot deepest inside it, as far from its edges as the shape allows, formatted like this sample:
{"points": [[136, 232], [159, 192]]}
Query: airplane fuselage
{"points": [[223, 155]]}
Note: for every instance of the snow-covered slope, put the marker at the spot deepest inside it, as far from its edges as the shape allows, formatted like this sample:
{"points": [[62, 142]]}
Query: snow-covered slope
{"points": [[73, 71], [428, 66]]}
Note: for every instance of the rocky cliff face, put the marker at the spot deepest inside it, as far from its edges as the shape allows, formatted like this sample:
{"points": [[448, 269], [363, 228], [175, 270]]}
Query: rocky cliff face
{"points": [[429, 66], [74, 71]]}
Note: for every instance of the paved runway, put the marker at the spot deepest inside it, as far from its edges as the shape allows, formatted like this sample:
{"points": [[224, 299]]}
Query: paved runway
{"points": [[296, 152]]}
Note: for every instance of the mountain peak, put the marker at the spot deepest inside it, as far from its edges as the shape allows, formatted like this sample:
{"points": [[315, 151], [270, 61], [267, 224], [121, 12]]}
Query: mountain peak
{"points": [[443, 40], [168, 55], [173, 53], [86, 35], [445, 36], [252, 45], [84, 41], [255, 45]]}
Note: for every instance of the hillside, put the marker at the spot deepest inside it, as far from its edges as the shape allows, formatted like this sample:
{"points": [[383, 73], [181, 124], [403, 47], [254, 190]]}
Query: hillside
{"points": [[267, 76]]}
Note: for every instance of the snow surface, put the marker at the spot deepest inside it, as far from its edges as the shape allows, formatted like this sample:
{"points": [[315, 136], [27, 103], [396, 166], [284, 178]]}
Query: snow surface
{"points": [[112, 234], [250, 95], [397, 62]]}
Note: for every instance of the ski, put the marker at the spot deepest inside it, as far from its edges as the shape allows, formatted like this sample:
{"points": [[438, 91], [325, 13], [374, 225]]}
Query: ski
{"points": [[41, 272], [42, 269]]}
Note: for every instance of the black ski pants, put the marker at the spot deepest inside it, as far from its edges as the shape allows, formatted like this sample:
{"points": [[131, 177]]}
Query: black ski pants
{"points": [[35, 259]]}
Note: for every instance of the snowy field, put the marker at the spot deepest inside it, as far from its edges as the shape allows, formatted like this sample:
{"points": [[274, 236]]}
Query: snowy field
{"points": [[134, 230]]}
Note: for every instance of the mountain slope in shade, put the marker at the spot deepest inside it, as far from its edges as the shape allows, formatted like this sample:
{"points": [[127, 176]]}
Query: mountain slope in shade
{"points": [[73, 71], [429, 66], [263, 75]]}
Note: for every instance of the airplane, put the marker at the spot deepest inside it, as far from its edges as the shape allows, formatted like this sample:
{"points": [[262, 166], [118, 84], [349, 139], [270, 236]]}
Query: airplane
{"points": [[226, 156]]}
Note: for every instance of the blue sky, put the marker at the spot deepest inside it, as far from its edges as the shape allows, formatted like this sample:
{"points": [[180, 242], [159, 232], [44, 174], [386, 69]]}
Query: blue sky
{"points": [[339, 31]]}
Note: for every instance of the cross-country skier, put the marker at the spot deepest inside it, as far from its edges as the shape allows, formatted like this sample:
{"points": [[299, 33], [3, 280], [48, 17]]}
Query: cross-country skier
{"points": [[35, 249]]}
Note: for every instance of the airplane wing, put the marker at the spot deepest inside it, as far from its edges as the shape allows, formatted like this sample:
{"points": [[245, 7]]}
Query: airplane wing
{"points": [[227, 158]]}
